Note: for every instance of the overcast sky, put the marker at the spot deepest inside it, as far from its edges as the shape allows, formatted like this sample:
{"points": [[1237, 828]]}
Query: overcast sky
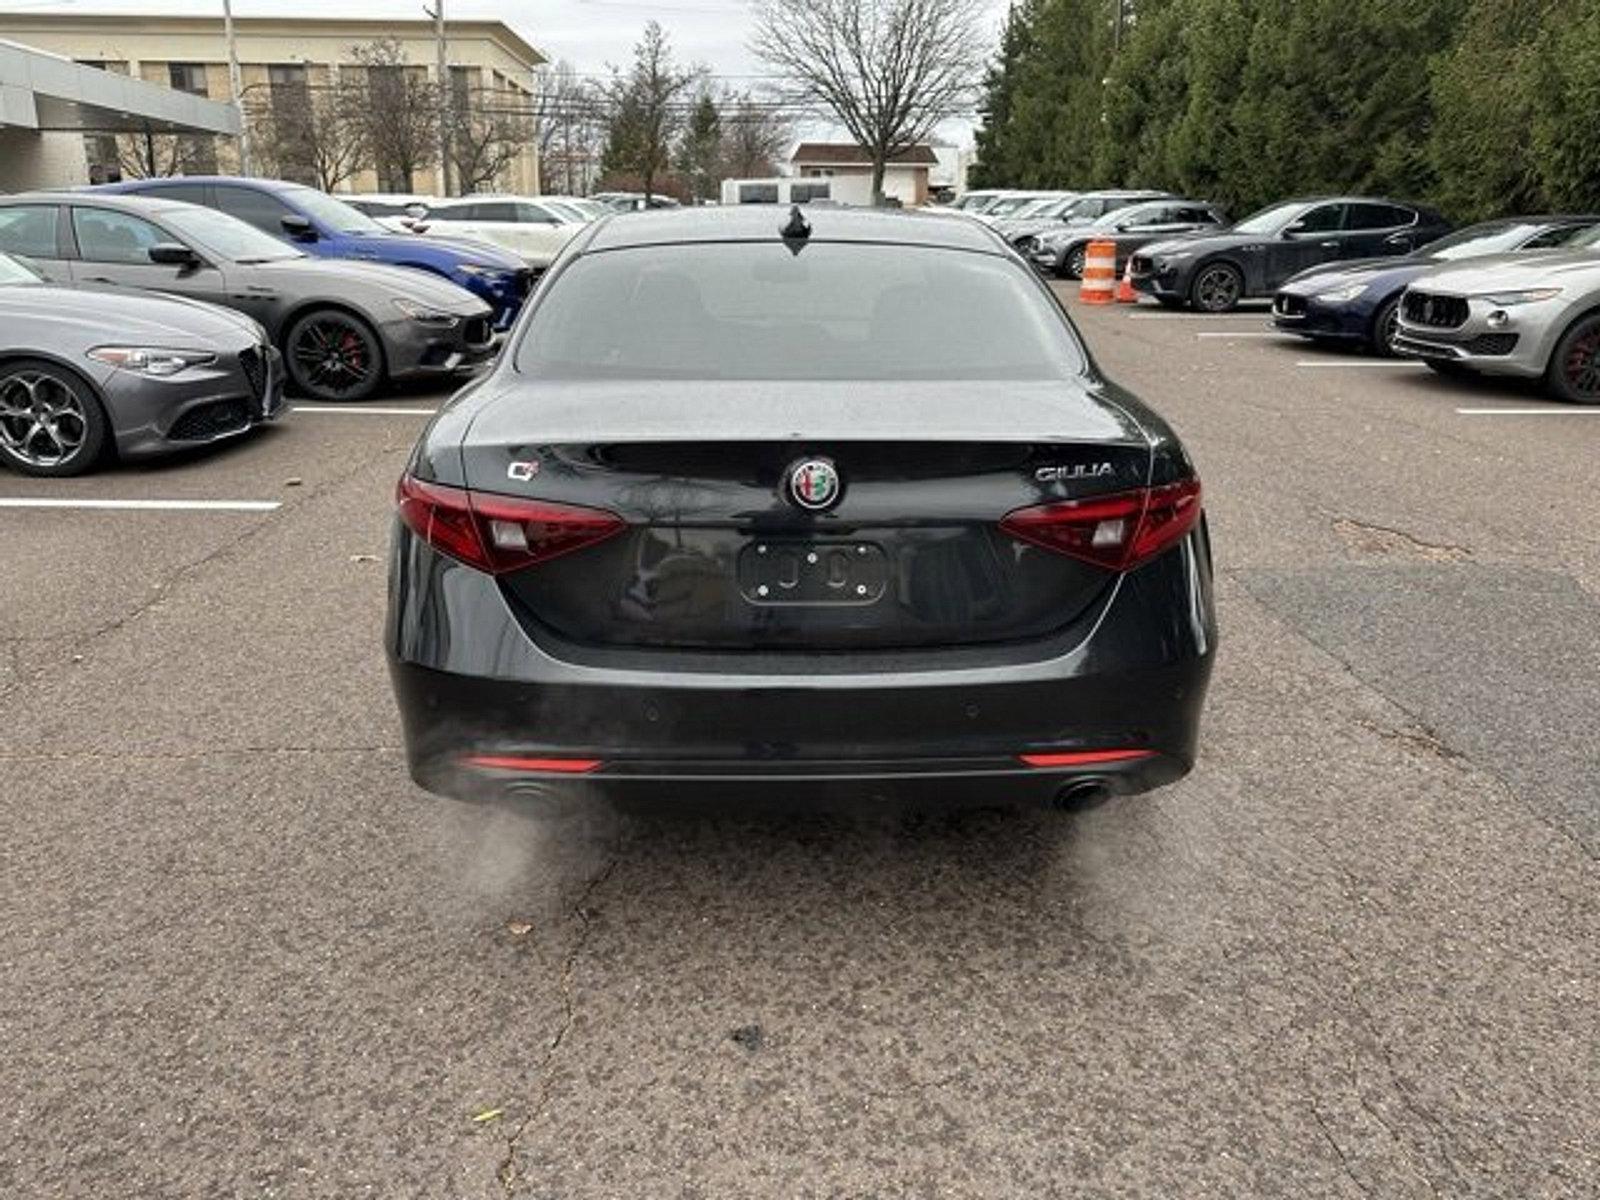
{"points": [[589, 33]]}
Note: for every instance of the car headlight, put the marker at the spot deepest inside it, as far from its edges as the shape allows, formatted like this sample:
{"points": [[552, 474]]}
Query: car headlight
{"points": [[151, 360], [1531, 296], [1340, 294], [424, 315]]}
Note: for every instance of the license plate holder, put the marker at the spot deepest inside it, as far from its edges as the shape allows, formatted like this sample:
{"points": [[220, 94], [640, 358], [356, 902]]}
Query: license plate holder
{"points": [[813, 573]]}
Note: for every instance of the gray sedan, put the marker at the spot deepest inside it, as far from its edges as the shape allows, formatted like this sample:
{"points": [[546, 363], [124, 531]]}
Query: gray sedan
{"points": [[344, 327], [83, 372]]}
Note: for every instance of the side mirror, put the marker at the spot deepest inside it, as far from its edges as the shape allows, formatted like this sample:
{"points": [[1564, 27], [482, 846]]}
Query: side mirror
{"points": [[172, 254], [299, 228], [416, 211], [1294, 229]]}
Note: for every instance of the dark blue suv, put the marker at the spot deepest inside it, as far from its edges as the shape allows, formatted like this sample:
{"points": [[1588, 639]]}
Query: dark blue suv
{"points": [[323, 225]]}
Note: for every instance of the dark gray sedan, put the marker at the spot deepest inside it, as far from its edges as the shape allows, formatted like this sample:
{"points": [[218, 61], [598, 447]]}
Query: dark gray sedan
{"points": [[85, 372], [344, 327]]}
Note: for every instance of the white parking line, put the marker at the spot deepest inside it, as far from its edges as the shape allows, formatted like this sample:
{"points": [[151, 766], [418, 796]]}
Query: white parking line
{"points": [[1381, 364], [1574, 411], [143, 505], [1204, 318], [364, 410]]}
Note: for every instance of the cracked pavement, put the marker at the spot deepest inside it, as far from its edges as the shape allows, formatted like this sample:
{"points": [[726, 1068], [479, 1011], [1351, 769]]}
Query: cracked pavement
{"points": [[1354, 954]]}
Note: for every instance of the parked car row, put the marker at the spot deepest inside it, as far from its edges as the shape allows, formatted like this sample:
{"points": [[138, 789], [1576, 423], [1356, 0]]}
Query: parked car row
{"points": [[170, 312], [344, 326], [1519, 296]]}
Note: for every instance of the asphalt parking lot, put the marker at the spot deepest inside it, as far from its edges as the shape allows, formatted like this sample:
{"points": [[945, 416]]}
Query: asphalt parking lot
{"points": [[1356, 953]]}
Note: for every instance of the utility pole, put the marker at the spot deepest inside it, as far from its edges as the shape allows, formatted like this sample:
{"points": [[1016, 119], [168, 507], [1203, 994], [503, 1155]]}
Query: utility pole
{"points": [[236, 86], [442, 70], [1120, 20]]}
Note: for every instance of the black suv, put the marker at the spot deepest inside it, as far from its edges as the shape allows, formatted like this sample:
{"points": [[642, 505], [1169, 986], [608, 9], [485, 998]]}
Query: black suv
{"points": [[1214, 271]]}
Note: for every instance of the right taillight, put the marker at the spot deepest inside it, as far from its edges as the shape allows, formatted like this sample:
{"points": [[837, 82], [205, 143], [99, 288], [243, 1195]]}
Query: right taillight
{"points": [[498, 534], [1119, 531]]}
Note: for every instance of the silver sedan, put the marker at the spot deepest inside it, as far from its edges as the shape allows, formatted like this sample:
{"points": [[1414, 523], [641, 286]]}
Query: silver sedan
{"points": [[85, 375]]}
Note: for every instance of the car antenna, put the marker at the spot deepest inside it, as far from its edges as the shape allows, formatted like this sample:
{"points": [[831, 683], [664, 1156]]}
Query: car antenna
{"points": [[797, 229]]}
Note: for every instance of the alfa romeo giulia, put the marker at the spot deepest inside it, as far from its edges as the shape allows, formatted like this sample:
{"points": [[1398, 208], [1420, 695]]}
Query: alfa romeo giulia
{"points": [[831, 503]]}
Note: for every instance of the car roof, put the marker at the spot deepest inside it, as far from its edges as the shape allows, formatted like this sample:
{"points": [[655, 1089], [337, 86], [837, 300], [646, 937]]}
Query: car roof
{"points": [[117, 200], [266, 185], [762, 222], [499, 197]]}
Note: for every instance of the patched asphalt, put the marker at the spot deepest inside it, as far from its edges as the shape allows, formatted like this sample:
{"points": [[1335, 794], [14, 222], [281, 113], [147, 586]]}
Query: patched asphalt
{"points": [[1354, 954]]}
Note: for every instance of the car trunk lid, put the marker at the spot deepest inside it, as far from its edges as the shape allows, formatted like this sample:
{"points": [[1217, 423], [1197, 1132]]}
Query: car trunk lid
{"points": [[724, 550]]}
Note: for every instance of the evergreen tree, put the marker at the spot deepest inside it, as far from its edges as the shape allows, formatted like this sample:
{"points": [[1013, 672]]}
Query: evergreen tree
{"points": [[995, 167], [1483, 107], [1565, 94], [700, 153]]}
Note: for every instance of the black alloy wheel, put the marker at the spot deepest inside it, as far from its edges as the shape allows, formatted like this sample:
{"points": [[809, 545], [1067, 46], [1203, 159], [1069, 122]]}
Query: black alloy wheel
{"points": [[1574, 371], [1384, 327], [51, 422], [333, 355], [1072, 266], [1218, 288]]}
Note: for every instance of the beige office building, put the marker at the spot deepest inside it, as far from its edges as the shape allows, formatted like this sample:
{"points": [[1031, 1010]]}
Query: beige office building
{"points": [[291, 66]]}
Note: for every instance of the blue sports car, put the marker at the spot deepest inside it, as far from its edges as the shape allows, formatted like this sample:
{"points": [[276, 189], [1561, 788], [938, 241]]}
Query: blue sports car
{"points": [[1359, 302], [327, 227]]}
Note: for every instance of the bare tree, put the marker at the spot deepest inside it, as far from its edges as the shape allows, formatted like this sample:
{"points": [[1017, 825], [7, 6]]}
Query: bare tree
{"points": [[150, 155], [487, 136], [888, 70], [316, 135], [567, 112], [646, 110], [754, 137], [399, 114]]}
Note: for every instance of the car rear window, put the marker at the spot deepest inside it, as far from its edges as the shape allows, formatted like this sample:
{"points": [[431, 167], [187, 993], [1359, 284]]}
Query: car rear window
{"points": [[832, 310]]}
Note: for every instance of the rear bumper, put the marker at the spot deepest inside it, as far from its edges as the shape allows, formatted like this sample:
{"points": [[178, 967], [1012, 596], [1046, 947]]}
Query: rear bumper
{"points": [[471, 683]]}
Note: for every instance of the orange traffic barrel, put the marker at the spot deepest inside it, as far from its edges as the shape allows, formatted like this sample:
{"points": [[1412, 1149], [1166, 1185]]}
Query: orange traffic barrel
{"points": [[1099, 273], [1125, 292]]}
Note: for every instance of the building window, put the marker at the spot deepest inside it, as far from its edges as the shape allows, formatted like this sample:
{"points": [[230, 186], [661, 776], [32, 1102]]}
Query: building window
{"points": [[188, 77], [287, 77], [103, 158], [462, 85], [291, 129], [758, 193]]}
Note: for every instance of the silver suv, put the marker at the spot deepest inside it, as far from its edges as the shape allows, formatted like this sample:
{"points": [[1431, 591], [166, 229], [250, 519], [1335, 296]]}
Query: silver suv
{"points": [[1529, 315]]}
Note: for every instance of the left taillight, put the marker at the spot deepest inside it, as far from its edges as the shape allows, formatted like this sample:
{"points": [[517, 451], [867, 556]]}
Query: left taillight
{"points": [[1120, 531], [498, 534]]}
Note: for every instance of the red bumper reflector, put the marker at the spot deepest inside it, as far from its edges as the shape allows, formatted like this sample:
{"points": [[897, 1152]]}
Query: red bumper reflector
{"points": [[1083, 758], [554, 766]]}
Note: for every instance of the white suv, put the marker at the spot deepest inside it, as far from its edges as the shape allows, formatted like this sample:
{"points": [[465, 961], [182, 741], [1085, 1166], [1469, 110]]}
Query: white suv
{"points": [[524, 225]]}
